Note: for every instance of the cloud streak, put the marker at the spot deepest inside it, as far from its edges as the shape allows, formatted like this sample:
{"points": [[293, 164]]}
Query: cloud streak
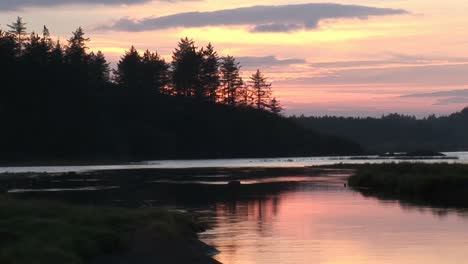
{"points": [[452, 100], [423, 75], [452, 93], [443, 97], [267, 61], [282, 18]]}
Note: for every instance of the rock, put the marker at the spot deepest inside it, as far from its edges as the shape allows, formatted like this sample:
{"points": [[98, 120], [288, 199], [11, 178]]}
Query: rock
{"points": [[234, 183]]}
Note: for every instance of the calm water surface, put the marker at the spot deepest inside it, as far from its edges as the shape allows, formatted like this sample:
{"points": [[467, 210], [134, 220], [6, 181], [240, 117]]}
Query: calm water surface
{"points": [[462, 157], [300, 219], [327, 223]]}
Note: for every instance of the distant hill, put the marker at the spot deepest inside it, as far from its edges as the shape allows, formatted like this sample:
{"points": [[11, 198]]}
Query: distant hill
{"points": [[393, 133], [126, 127]]}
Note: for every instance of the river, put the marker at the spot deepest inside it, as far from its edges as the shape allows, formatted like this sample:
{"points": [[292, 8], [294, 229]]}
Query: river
{"points": [[290, 217]]}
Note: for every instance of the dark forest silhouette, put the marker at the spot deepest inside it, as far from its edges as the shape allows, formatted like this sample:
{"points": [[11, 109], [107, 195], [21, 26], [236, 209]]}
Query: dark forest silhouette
{"points": [[60, 102], [395, 132]]}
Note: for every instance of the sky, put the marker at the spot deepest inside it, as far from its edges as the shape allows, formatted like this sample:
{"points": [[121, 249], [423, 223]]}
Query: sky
{"points": [[344, 57]]}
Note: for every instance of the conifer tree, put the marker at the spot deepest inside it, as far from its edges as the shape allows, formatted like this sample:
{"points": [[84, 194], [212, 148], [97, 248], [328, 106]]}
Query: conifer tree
{"points": [[231, 81], [245, 96], [8, 66], [99, 70], [275, 106], [186, 64], [77, 66], [57, 70], [209, 74], [128, 72], [57, 54], [36, 52], [261, 90], [18, 29], [46, 39], [155, 72], [77, 46]]}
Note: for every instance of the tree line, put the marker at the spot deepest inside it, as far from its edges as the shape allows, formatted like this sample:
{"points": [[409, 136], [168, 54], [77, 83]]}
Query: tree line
{"points": [[396, 132], [60, 101], [198, 73]]}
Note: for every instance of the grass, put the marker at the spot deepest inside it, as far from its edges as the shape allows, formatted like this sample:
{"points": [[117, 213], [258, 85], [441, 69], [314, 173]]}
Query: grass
{"points": [[436, 184], [51, 232]]}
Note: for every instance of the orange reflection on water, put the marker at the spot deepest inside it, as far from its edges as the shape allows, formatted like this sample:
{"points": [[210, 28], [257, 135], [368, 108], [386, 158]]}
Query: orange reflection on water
{"points": [[333, 225]]}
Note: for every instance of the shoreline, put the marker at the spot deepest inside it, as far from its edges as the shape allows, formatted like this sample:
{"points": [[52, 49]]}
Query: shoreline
{"points": [[54, 232], [150, 247], [60, 166], [440, 184]]}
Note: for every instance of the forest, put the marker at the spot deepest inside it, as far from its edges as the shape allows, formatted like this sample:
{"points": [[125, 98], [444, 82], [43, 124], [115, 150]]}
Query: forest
{"points": [[59, 101], [395, 132]]}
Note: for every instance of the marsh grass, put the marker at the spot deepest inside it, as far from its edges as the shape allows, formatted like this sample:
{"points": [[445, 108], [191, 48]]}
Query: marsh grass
{"points": [[438, 184], [51, 232]]}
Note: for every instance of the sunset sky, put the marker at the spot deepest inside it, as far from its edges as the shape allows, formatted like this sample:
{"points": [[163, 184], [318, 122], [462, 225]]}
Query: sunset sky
{"points": [[353, 58]]}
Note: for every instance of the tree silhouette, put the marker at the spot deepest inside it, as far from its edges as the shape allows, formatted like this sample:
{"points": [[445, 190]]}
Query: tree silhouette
{"points": [[261, 90], [128, 72], [59, 102], [275, 106], [99, 70], [18, 29], [245, 96], [209, 74], [186, 66], [155, 72], [231, 81], [9, 69], [76, 49], [46, 39]]}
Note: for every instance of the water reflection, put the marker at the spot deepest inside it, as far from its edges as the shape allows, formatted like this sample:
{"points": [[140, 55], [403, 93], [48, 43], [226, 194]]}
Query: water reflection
{"points": [[284, 216], [333, 225]]}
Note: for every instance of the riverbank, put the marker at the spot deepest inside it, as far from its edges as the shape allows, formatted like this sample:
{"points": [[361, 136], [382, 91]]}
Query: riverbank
{"points": [[440, 184], [53, 232]]}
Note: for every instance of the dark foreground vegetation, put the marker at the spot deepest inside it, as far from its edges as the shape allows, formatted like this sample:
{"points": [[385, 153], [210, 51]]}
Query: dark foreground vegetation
{"points": [[440, 184], [62, 102], [396, 133], [52, 232]]}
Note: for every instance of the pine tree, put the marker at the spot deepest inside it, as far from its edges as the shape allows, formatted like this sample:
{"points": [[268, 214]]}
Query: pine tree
{"points": [[231, 81], [245, 96], [35, 62], [18, 29], [261, 90], [209, 74], [99, 70], [57, 54], [128, 72], [36, 52], [46, 40], [186, 64], [76, 49], [275, 106], [57, 70], [77, 66], [155, 72], [8, 67]]}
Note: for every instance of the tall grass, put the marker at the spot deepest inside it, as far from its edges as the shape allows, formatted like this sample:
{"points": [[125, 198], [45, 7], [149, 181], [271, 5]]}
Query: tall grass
{"points": [[440, 184], [51, 232]]}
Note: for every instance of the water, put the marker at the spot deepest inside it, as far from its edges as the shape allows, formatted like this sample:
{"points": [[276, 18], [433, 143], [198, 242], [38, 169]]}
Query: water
{"points": [[286, 217], [327, 223], [227, 163]]}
